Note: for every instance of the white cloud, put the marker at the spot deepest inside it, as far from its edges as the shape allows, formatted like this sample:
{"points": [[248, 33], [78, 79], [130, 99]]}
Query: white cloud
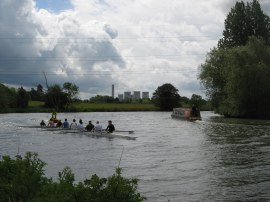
{"points": [[136, 45]]}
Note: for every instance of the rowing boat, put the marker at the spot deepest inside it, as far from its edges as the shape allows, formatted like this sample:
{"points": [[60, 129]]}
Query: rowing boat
{"points": [[88, 133], [100, 134]]}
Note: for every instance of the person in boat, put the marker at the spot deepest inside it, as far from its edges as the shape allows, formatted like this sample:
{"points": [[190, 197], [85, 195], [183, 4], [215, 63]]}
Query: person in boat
{"points": [[73, 125], [42, 123], [59, 124], [98, 127], [51, 123], [194, 111], [66, 124], [110, 128], [80, 125], [89, 126]]}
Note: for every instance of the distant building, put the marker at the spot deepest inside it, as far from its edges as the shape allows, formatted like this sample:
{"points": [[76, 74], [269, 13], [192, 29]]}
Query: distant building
{"points": [[136, 95], [145, 95], [127, 95], [120, 97]]}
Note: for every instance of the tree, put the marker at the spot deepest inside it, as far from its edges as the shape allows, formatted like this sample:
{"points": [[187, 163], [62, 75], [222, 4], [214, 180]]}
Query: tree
{"points": [[71, 90], [233, 62], [166, 97], [244, 21], [22, 98], [8, 97], [197, 100], [56, 98], [247, 88], [239, 87], [23, 179]]}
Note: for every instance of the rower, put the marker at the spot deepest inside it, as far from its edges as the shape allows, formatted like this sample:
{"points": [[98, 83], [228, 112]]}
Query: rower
{"points": [[110, 128], [42, 123]]}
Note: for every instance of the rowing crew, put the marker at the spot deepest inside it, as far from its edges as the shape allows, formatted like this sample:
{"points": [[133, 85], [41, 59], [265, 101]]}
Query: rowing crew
{"points": [[89, 127]]}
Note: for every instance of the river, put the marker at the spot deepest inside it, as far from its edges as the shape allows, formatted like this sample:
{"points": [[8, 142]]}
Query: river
{"points": [[215, 159]]}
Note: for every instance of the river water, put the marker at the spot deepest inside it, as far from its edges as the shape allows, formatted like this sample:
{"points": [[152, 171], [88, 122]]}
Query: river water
{"points": [[215, 159]]}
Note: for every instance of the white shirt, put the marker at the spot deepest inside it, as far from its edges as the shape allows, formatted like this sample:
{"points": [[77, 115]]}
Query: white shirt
{"points": [[80, 127], [73, 125], [98, 128]]}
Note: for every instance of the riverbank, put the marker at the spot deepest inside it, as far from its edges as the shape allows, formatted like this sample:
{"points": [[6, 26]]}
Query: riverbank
{"points": [[37, 107]]}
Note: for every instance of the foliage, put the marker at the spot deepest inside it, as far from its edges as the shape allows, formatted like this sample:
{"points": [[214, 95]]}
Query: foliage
{"points": [[37, 95], [102, 99], [235, 74], [197, 100], [22, 98], [244, 21], [58, 97], [22, 179], [239, 84], [166, 97], [71, 90], [8, 97]]}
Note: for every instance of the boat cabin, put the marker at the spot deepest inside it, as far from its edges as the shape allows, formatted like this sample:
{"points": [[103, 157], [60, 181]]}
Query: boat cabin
{"points": [[186, 114]]}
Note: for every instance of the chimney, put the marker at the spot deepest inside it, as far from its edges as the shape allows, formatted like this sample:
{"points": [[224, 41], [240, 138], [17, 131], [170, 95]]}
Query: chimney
{"points": [[113, 91]]}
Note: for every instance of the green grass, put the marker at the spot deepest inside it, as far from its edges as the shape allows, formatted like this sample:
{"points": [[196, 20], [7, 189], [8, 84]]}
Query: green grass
{"points": [[113, 107], [37, 106]]}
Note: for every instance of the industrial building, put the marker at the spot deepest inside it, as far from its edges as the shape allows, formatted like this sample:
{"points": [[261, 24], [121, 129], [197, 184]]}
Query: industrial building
{"points": [[136, 95], [145, 95]]}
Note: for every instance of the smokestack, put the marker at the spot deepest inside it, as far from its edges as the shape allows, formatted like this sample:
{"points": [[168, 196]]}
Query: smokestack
{"points": [[113, 91]]}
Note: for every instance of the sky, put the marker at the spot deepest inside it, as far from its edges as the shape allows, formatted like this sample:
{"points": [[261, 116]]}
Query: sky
{"points": [[135, 45]]}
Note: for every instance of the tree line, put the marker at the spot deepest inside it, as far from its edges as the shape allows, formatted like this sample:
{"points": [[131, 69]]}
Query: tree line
{"points": [[236, 73], [59, 97], [56, 96]]}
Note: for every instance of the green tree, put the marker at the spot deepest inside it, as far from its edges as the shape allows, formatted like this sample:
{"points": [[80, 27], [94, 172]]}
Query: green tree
{"points": [[233, 62], [244, 21], [22, 98], [197, 100], [22, 179], [8, 97], [239, 85], [166, 97], [71, 90], [56, 98], [247, 90]]}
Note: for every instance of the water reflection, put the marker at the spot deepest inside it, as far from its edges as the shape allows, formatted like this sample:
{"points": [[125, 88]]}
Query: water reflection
{"points": [[238, 158]]}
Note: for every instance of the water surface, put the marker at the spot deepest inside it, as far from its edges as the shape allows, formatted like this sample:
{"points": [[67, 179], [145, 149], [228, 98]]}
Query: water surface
{"points": [[216, 159]]}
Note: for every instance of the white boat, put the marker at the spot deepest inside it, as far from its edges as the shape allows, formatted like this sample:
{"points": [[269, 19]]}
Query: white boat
{"points": [[100, 134], [104, 133], [186, 114]]}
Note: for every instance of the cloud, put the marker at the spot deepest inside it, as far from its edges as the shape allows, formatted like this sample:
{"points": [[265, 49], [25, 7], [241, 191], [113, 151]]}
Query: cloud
{"points": [[136, 45]]}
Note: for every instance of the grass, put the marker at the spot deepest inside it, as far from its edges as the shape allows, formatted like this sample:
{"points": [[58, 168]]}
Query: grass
{"points": [[37, 106], [113, 107]]}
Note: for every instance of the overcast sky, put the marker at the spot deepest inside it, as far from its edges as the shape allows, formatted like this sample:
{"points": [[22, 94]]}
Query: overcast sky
{"points": [[135, 45]]}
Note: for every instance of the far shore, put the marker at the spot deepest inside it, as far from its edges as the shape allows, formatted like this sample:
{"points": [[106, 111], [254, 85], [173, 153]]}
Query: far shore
{"points": [[38, 107]]}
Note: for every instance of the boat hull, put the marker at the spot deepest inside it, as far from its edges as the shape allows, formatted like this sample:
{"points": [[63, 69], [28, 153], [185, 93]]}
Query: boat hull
{"points": [[186, 114]]}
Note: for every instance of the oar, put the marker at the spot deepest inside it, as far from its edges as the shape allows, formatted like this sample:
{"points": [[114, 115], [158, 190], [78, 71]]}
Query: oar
{"points": [[125, 131]]}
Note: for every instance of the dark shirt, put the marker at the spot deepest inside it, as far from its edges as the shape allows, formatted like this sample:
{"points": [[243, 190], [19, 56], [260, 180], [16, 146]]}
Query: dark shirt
{"points": [[89, 127], [66, 124], [110, 128]]}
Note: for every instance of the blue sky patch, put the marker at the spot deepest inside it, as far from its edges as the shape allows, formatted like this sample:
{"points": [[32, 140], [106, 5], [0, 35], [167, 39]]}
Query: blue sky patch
{"points": [[54, 5]]}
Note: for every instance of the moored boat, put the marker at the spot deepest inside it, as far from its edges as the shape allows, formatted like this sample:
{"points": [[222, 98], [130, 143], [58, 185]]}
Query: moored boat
{"points": [[186, 114]]}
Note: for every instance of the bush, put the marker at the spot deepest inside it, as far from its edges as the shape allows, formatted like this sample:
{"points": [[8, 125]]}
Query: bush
{"points": [[23, 179]]}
